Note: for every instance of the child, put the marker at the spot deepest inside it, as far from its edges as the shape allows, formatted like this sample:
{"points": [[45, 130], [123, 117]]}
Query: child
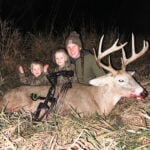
{"points": [[62, 63], [38, 74]]}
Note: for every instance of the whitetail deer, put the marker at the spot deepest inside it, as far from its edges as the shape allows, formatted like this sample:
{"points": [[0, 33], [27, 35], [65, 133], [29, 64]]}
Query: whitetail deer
{"points": [[101, 97]]}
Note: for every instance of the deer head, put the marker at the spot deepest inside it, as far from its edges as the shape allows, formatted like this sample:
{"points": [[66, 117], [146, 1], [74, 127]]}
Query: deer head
{"points": [[120, 79]]}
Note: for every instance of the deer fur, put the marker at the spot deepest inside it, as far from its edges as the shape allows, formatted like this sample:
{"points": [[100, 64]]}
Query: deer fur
{"points": [[101, 97]]}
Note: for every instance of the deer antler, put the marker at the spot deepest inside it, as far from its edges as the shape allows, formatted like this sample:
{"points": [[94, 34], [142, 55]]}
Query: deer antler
{"points": [[110, 50], [134, 56]]}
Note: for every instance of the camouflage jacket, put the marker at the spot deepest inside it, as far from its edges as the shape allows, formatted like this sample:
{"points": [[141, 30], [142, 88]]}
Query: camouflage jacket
{"points": [[62, 79], [32, 80]]}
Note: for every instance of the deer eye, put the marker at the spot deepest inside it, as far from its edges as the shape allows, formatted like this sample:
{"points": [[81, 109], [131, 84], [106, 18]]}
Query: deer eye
{"points": [[121, 80]]}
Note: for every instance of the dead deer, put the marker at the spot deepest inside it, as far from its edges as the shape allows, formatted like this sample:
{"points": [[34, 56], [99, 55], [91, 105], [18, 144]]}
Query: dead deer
{"points": [[101, 97]]}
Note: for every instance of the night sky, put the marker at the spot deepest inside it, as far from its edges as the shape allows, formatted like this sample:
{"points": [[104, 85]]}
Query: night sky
{"points": [[58, 15]]}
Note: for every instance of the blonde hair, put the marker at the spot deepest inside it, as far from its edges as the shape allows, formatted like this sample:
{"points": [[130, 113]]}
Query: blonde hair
{"points": [[61, 51], [36, 62]]}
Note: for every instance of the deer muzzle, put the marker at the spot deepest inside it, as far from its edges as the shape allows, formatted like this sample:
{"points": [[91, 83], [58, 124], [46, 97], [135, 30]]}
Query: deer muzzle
{"points": [[142, 95]]}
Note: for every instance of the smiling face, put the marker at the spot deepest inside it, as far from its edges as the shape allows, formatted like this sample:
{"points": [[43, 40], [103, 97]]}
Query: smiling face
{"points": [[36, 69], [73, 50], [60, 59]]}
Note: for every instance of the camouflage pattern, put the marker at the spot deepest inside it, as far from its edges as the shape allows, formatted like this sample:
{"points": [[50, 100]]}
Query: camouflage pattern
{"points": [[32, 80], [62, 79]]}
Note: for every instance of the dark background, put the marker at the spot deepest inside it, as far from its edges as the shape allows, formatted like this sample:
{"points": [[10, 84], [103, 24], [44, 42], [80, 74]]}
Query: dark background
{"points": [[58, 15]]}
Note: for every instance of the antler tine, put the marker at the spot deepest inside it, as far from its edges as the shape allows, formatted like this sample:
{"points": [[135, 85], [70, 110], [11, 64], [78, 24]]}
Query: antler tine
{"points": [[100, 45], [123, 59], [113, 48], [110, 50], [134, 55]]}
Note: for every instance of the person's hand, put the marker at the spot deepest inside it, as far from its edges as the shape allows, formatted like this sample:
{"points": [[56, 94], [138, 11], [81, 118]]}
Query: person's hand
{"points": [[46, 68], [21, 70]]}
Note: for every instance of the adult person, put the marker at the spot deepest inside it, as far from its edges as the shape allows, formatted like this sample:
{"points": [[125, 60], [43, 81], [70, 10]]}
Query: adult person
{"points": [[86, 66]]}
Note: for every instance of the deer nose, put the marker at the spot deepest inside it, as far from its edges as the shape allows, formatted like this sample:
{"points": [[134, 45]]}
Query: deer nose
{"points": [[144, 94]]}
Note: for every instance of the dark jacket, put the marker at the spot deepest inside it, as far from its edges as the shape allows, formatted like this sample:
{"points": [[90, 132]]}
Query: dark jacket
{"points": [[86, 67]]}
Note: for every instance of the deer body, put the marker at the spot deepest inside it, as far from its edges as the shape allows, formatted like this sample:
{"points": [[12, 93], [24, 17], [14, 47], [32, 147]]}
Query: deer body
{"points": [[100, 97]]}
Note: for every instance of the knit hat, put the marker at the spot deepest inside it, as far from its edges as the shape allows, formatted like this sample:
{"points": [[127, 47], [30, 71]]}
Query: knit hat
{"points": [[73, 38]]}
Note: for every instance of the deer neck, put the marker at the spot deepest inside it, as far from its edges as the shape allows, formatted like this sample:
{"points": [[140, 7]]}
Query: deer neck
{"points": [[106, 99]]}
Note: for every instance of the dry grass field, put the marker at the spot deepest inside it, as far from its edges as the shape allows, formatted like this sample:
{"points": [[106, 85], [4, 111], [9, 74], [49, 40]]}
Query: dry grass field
{"points": [[126, 128]]}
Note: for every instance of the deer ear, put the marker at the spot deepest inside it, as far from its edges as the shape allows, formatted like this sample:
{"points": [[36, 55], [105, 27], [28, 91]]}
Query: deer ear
{"points": [[131, 72], [102, 81], [96, 82]]}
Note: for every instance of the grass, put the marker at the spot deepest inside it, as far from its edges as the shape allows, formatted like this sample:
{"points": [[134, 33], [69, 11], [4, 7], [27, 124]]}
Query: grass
{"points": [[17, 132]]}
